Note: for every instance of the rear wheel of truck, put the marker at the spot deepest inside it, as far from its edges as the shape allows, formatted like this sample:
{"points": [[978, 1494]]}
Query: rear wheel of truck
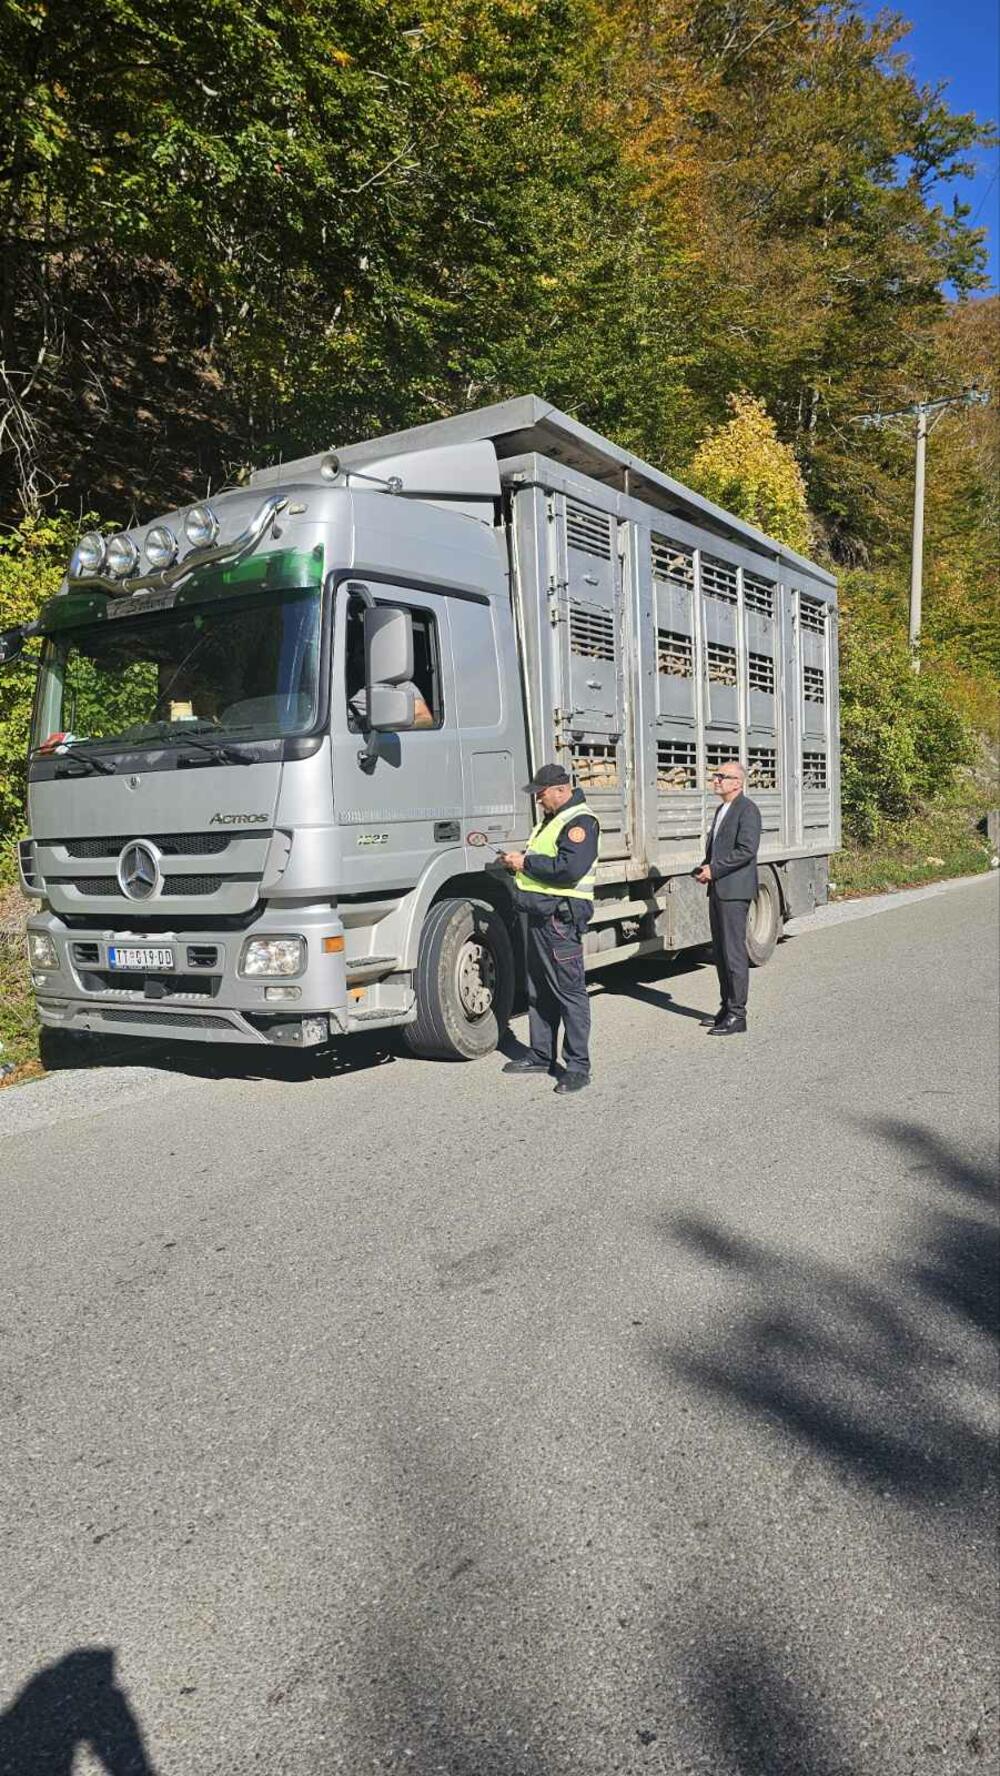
{"points": [[464, 982], [764, 922]]}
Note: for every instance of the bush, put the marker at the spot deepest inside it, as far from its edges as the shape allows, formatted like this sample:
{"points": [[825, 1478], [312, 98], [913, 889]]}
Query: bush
{"points": [[32, 564], [902, 740]]}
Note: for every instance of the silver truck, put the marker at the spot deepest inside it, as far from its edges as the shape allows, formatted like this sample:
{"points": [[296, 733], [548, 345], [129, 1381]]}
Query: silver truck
{"points": [[279, 736]]}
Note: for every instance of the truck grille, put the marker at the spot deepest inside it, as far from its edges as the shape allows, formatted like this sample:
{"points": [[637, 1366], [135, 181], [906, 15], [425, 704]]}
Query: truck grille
{"points": [[170, 844], [171, 884]]}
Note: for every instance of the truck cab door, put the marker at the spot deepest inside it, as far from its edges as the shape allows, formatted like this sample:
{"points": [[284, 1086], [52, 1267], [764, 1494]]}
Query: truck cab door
{"points": [[398, 801]]}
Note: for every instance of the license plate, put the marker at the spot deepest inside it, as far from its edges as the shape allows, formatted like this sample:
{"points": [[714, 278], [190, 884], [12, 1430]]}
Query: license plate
{"points": [[120, 956]]}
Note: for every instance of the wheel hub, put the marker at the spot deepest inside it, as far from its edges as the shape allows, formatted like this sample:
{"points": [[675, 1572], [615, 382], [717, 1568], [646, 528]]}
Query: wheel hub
{"points": [[476, 978]]}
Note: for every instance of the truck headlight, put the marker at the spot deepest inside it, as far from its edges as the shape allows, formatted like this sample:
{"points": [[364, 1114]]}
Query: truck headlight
{"points": [[42, 952], [122, 556], [88, 556], [201, 527], [273, 955], [161, 546]]}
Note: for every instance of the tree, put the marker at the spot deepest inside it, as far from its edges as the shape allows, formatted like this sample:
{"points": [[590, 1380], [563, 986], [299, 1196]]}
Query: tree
{"points": [[744, 466]]}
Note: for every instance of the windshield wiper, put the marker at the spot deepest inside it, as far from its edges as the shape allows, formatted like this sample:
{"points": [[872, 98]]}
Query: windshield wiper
{"points": [[90, 759], [215, 750]]}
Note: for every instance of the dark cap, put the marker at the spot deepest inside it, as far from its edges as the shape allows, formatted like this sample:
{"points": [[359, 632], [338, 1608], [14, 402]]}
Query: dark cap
{"points": [[549, 777]]}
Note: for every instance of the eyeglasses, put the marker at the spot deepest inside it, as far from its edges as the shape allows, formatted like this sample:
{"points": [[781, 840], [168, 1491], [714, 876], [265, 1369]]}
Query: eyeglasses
{"points": [[724, 777]]}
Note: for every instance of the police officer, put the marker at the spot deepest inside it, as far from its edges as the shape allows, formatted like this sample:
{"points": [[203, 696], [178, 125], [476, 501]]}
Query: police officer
{"points": [[555, 878]]}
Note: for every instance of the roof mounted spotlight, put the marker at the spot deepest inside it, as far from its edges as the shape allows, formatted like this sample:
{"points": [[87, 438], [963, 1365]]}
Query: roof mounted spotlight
{"points": [[121, 557], [160, 546], [87, 558], [201, 527]]}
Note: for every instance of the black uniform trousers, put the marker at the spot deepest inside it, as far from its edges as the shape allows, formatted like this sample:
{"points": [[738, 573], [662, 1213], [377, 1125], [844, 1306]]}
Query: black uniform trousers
{"points": [[557, 984], [728, 919]]}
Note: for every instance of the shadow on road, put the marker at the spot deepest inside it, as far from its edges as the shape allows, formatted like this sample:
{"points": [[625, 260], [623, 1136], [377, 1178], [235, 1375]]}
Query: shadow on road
{"points": [[227, 1060], [72, 1704], [644, 980], [877, 1379], [759, 1719]]}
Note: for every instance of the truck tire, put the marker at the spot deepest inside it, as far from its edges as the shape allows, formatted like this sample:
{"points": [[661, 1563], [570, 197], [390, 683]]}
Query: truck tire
{"points": [[764, 922], [464, 982]]}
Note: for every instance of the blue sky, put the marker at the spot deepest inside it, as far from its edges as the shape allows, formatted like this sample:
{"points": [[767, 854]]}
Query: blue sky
{"points": [[958, 41]]}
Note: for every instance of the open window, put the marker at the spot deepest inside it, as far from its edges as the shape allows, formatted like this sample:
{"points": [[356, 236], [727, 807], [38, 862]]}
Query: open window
{"points": [[426, 681]]}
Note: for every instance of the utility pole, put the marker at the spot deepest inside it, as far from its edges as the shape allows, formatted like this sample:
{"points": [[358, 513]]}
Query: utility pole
{"points": [[927, 414]]}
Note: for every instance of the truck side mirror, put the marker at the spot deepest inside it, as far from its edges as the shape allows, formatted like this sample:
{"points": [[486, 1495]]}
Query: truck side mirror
{"points": [[391, 708], [388, 646], [11, 644]]}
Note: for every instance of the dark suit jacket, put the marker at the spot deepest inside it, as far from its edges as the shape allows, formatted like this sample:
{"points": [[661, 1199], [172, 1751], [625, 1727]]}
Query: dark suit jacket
{"points": [[733, 858]]}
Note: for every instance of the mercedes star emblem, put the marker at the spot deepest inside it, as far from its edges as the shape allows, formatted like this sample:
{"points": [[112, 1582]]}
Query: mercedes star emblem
{"points": [[138, 872]]}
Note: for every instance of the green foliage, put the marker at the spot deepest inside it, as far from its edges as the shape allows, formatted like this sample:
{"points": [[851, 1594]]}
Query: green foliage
{"points": [[902, 740], [744, 467], [32, 563]]}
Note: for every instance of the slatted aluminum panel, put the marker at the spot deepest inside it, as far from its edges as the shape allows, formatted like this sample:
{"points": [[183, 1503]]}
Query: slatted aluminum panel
{"points": [[720, 663], [676, 766], [762, 768], [672, 561], [674, 654], [814, 684], [589, 531], [760, 673], [719, 579], [758, 594], [816, 797], [679, 801], [597, 767], [812, 614], [591, 632], [814, 771]]}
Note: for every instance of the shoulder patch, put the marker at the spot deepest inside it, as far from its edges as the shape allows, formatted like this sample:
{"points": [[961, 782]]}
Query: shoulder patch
{"points": [[577, 834]]}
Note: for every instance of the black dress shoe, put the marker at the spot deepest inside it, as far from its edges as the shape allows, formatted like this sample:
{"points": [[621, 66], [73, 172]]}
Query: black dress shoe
{"points": [[712, 1023], [731, 1025], [526, 1066], [573, 1082]]}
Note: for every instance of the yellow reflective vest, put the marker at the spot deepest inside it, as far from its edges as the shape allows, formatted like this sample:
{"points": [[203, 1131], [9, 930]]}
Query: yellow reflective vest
{"points": [[544, 841]]}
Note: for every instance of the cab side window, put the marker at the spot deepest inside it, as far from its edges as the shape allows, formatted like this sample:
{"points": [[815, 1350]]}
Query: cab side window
{"points": [[426, 679]]}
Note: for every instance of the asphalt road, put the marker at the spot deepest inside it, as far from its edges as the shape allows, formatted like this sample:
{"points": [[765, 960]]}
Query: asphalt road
{"points": [[403, 1417]]}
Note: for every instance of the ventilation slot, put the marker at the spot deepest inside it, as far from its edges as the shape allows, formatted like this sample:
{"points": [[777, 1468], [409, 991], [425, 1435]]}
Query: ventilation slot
{"points": [[29, 865], [672, 561], [170, 844], [718, 579], [762, 768], [719, 755], [591, 633], [758, 594], [676, 765], [814, 770], [721, 663], [674, 654], [813, 684], [812, 614], [595, 766], [196, 884], [588, 531], [169, 1020], [761, 673]]}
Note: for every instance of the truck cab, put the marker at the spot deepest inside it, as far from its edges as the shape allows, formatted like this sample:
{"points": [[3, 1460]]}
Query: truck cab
{"points": [[269, 733]]}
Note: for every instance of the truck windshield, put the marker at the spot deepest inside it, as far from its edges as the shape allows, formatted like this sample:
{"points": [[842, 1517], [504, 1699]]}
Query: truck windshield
{"points": [[237, 667]]}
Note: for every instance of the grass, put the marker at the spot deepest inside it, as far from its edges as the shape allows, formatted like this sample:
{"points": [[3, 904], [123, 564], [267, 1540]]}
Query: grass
{"points": [[931, 846]]}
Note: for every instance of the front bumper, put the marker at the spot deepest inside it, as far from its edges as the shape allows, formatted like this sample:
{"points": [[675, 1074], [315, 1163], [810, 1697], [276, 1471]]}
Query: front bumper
{"points": [[204, 998]]}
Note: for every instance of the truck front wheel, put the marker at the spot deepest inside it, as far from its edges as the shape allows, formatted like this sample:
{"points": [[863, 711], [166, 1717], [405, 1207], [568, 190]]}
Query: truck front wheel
{"points": [[464, 982], [764, 923]]}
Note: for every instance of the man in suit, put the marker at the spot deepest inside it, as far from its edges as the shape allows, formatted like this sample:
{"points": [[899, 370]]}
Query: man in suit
{"points": [[729, 871]]}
